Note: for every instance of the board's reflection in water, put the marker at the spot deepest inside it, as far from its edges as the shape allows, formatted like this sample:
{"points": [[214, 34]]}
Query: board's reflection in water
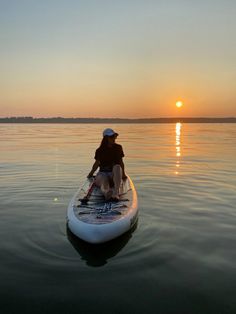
{"points": [[97, 255]]}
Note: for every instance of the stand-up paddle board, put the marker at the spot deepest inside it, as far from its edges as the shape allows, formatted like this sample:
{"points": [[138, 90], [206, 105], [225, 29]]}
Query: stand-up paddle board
{"points": [[95, 220]]}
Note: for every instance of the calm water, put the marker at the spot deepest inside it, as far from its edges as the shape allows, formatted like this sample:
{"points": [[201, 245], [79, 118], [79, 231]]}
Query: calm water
{"points": [[179, 259]]}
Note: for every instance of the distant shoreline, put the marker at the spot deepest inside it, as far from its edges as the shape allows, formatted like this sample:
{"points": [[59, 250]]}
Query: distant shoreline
{"points": [[115, 120]]}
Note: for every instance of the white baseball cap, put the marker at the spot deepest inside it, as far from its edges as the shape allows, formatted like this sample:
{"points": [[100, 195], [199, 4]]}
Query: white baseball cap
{"points": [[109, 132]]}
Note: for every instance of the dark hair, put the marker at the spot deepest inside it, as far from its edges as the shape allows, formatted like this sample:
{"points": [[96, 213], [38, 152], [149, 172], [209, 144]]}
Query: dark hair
{"points": [[104, 143]]}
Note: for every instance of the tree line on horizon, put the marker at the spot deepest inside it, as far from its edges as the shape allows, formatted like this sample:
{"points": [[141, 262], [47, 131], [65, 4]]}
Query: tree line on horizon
{"points": [[116, 120]]}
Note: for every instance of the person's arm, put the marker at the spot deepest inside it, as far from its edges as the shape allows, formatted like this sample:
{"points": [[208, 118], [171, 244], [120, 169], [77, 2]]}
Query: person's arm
{"points": [[94, 168], [124, 176]]}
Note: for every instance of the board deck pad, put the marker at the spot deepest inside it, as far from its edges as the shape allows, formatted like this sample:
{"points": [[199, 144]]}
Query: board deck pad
{"points": [[99, 211]]}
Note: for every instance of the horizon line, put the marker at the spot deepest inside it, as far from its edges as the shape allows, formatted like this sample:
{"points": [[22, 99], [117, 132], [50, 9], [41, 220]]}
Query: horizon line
{"points": [[61, 120], [116, 118]]}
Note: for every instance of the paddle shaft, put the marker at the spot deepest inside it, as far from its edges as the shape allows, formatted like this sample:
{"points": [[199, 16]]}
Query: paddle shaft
{"points": [[85, 199]]}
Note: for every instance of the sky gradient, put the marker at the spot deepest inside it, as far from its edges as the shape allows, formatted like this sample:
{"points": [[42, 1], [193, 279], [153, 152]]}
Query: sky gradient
{"points": [[131, 59]]}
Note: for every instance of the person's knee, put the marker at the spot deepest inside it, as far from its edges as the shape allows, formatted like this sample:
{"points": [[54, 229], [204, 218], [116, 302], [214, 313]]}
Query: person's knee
{"points": [[99, 179], [117, 167]]}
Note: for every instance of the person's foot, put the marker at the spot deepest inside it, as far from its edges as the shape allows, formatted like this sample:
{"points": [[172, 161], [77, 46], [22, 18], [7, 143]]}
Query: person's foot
{"points": [[115, 198], [108, 195]]}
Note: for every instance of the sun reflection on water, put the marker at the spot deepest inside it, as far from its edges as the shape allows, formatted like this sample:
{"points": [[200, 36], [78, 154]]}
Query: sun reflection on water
{"points": [[178, 145]]}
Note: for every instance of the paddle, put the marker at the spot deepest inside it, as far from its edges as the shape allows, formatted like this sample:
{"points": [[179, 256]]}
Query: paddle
{"points": [[85, 199]]}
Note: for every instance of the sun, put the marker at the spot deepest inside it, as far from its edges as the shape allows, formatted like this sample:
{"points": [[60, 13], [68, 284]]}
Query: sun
{"points": [[179, 104]]}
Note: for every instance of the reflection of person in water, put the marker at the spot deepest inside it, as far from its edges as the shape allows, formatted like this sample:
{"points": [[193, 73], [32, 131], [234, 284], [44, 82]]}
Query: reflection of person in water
{"points": [[108, 157]]}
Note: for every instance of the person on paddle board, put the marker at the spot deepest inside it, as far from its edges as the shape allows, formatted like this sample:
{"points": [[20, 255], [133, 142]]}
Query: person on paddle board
{"points": [[108, 157]]}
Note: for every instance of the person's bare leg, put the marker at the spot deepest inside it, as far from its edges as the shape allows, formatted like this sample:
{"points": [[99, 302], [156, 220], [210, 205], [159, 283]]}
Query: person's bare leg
{"points": [[102, 181], [117, 179]]}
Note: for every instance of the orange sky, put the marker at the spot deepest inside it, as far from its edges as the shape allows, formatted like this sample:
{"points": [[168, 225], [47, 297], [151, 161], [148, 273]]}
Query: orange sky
{"points": [[126, 59]]}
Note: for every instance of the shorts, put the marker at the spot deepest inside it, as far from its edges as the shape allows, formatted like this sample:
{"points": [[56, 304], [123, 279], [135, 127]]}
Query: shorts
{"points": [[105, 173]]}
